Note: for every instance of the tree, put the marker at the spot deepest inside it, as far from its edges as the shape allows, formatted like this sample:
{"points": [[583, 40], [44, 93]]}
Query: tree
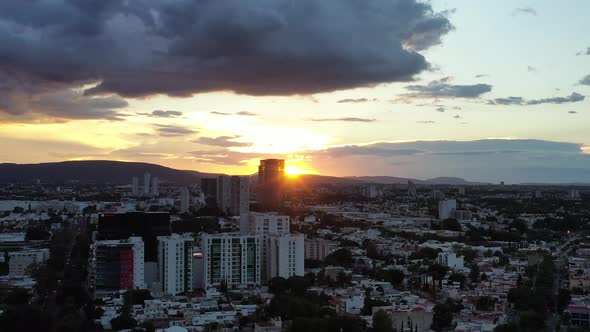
{"points": [[137, 296], [278, 285], [382, 322], [451, 225], [442, 317], [507, 327], [474, 274], [340, 257], [393, 276], [298, 285]]}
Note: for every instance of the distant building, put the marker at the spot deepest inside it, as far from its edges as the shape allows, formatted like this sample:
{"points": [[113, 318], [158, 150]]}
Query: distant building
{"points": [[224, 193], [175, 263], [411, 188], [451, 260], [446, 208], [538, 193], [118, 264], [573, 194], [184, 200], [146, 184], [233, 259], [20, 261], [318, 249], [271, 178], [134, 186], [461, 191], [209, 187], [462, 214], [437, 195], [240, 195], [155, 187]]}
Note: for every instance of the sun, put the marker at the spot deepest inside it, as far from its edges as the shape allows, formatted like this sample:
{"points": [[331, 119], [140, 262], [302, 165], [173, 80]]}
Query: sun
{"points": [[293, 171]]}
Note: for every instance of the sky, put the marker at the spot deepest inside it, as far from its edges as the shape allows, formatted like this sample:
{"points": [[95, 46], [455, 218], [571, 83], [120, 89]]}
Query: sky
{"points": [[490, 90]]}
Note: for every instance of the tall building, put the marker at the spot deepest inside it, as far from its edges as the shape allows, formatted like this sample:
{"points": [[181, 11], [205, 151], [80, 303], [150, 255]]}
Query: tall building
{"points": [[446, 208], [280, 249], [318, 249], [155, 187], [134, 186], [209, 187], [117, 264], [233, 194], [233, 259], [223, 198], [146, 184], [120, 226], [175, 263], [286, 255], [184, 200], [271, 176], [240, 195]]}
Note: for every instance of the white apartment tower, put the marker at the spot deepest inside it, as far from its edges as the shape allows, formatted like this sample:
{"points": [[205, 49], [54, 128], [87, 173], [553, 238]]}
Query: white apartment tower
{"points": [[280, 249], [155, 187], [175, 263], [233, 259]]}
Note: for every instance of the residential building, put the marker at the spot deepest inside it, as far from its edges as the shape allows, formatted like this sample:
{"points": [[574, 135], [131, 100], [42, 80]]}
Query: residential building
{"points": [[318, 249], [118, 264], [233, 259], [184, 200], [175, 263], [20, 261], [146, 184], [451, 260], [286, 255]]}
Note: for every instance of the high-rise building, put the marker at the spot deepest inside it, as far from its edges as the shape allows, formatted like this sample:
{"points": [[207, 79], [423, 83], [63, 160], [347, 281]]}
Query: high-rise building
{"points": [[120, 226], [146, 184], [280, 250], [318, 249], [233, 194], [117, 264], [209, 187], [134, 186], [446, 208], [223, 198], [411, 188], [286, 255], [461, 191], [175, 263], [240, 195], [271, 178], [233, 259], [155, 187], [184, 200]]}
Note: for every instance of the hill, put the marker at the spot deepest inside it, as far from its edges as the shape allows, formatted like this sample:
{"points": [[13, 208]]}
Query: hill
{"points": [[93, 171]]}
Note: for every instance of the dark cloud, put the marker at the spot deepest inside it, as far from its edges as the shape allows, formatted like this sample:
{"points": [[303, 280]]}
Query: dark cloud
{"points": [[353, 101], [585, 80], [221, 113], [526, 10], [573, 112], [481, 75], [442, 89], [246, 113], [222, 141], [162, 114], [60, 105], [370, 150], [178, 48], [345, 120], [573, 98], [426, 122], [174, 131], [531, 69], [457, 117], [441, 109]]}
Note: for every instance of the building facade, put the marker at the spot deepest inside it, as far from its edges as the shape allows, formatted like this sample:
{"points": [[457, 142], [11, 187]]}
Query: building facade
{"points": [[271, 178], [318, 249], [20, 261], [286, 256], [175, 263], [118, 264], [233, 259]]}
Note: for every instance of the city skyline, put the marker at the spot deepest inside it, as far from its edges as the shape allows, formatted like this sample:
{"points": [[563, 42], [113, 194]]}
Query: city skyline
{"points": [[489, 91]]}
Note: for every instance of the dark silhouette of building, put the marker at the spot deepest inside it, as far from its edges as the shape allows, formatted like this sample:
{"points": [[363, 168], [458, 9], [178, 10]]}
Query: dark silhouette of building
{"points": [[119, 226], [209, 187], [271, 179]]}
